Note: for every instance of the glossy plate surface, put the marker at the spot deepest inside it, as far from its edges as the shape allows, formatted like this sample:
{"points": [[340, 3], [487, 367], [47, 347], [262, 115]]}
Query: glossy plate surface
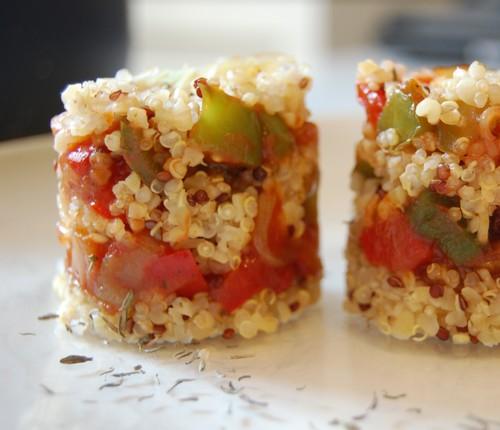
{"points": [[326, 370]]}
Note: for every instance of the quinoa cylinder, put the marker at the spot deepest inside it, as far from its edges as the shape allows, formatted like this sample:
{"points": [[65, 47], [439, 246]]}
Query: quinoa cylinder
{"points": [[424, 245], [187, 202]]}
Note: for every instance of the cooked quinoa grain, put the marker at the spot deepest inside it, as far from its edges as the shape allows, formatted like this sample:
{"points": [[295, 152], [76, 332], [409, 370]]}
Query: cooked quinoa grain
{"points": [[170, 184], [423, 249]]}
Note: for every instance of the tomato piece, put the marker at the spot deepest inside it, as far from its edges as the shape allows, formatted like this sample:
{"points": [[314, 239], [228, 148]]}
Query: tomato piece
{"points": [[142, 265], [307, 134], [307, 252], [76, 171], [399, 113], [177, 273], [373, 101], [394, 244], [252, 276], [79, 159]]}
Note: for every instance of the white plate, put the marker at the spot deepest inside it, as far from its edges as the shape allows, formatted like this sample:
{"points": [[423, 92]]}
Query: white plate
{"points": [[326, 366]]}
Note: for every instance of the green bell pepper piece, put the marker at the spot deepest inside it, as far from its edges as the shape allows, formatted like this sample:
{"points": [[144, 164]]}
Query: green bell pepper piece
{"points": [[228, 131], [281, 138], [365, 169], [399, 113], [431, 222], [141, 162]]}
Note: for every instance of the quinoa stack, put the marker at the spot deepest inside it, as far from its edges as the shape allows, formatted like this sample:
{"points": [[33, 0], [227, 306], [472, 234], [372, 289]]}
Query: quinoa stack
{"points": [[187, 202], [424, 245]]}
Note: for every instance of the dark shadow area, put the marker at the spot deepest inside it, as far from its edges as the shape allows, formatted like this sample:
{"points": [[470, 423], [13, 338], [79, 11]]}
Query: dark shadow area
{"points": [[48, 44]]}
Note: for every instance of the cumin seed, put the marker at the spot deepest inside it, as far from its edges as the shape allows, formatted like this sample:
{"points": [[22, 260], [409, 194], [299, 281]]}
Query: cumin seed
{"points": [[393, 396], [244, 377], [149, 396], [47, 390], [241, 356], [75, 359], [49, 316], [253, 401], [111, 385], [189, 399]]}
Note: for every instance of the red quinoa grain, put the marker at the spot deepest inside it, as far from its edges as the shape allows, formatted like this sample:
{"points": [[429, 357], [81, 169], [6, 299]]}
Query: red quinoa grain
{"points": [[436, 291], [443, 334], [228, 333], [395, 282]]}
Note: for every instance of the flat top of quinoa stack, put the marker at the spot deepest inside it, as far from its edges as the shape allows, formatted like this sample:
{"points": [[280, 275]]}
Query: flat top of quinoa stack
{"points": [[276, 82]]}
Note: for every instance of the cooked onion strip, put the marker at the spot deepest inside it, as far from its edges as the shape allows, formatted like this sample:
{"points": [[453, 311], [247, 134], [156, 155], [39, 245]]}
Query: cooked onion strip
{"points": [[488, 121], [267, 202]]}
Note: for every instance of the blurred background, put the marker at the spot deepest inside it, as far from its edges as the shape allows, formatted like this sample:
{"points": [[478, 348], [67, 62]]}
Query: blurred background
{"points": [[48, 44]]}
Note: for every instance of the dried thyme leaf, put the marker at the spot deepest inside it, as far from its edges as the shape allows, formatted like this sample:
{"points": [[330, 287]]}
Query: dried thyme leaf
{"points": [[27, 333], [47, 390], [373, 405], [138, 367], [271, 417], [50, 316], [230, 388], [178, 382], [123, 374], [241, 356], [244, 377], [184, 355], [193, 358], [347, 425], [252, 401], [189, 399], [142, 398], [75, 359], [179, 353], [125, 312], [111, 385], [484, 422], [111, 369], [393, 396]]}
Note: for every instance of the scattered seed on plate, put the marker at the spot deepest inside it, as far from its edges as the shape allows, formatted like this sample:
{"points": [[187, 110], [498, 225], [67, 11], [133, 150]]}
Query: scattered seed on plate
{"points": [[75, 359], [373, 405], [111, 385], [124, 374], [241, 356], [47, 390], [252, 401], [49, 316], [388, 396], [142, 398], [229, 388], [178, 382], [244, 377], [189, 399]]}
